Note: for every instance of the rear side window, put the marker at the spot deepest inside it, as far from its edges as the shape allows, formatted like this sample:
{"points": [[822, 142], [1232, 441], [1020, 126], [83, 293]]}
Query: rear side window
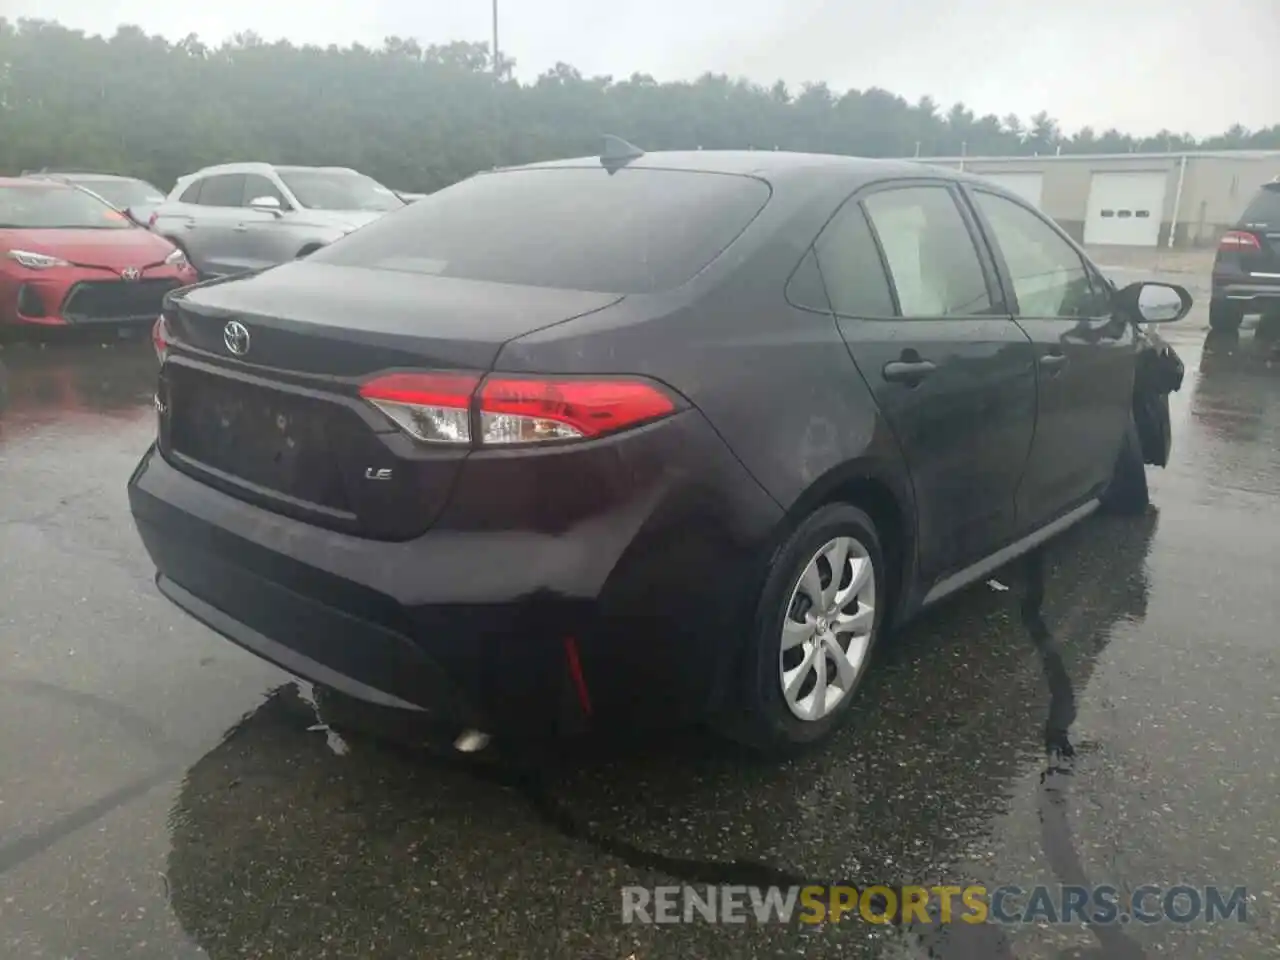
{"points": [[931, 256], [223, 190], [851, 266], [192, 193], [1264, 208], [635, 231]]}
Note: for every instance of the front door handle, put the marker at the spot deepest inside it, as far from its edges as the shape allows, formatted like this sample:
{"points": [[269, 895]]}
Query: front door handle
{"points": [[908, 371], [1053, 362]]}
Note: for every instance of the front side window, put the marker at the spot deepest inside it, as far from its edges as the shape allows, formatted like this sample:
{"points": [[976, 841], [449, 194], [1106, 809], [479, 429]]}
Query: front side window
{"points": [[930, 253], [57, 207], [256, 186], [1049, 277], [339, 190]]}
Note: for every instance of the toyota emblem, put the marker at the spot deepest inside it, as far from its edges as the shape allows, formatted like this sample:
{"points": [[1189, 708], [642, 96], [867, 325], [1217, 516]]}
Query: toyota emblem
{"points": [[130, 273], [236, 337]]}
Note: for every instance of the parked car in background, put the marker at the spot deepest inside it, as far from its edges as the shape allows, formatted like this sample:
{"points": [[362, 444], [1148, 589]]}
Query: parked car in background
{"points": [[1246, 268], [67, 257], [246, 216], [132, 196], [639, 438]]}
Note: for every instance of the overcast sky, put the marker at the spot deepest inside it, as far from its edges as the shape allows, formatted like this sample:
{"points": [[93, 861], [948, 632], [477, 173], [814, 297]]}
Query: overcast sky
{"points": [[1140, 65]]}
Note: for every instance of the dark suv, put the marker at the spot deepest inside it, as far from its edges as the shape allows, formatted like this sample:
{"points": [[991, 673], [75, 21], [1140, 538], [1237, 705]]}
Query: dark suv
{"points": [[1246, 270]]}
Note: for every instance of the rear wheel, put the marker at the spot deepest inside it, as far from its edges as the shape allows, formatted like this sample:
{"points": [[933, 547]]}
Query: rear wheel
{"points": [[815, 628], [1224, 315], [1127, 494]]}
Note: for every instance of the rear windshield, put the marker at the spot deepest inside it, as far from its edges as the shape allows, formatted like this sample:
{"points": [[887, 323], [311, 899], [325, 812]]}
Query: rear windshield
{"points": [[1264, 207], [635, 231], [123, 193]]}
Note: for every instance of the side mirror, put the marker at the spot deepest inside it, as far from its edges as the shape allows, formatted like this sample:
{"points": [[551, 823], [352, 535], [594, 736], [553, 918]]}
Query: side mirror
{"points": [[266, 204], [128, 212], [1150, 301]]}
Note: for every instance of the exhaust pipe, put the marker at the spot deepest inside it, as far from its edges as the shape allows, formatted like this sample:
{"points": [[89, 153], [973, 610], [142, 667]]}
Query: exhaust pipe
{"points": [[471, 741]]}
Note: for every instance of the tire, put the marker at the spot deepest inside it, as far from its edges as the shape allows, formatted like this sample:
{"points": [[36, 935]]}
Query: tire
{"points": [[766, 719], [1127, 493], [1225, 316]]}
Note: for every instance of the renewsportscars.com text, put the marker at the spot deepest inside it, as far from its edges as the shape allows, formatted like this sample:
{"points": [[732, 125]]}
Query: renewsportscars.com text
{"points": [[1006, 904]]}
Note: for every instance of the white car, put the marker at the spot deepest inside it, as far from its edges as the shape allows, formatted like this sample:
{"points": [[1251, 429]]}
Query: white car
{"points": [[246, 216]]}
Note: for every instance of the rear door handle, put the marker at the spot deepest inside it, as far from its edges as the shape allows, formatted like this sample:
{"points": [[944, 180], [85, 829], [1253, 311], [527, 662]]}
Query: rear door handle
{"points": [[908, 371], [1053, 362]]}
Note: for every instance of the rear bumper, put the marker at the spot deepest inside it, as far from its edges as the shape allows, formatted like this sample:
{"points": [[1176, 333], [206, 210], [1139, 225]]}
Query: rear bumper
{"points": [[631, 617], [1247, 292]]}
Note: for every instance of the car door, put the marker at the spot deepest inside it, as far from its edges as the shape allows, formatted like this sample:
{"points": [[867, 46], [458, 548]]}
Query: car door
{"points": [[263, 238], [1084, 357], [175, 217], [211, 233], [918, 305]]}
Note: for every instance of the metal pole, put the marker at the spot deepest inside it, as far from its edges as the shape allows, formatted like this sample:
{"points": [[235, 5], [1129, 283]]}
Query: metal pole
{"points": [[497, 70], [1177, 201]]}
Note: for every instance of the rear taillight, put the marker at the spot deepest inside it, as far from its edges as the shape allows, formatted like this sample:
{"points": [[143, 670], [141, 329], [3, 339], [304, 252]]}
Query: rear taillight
{"points": [[151, 220], [1239, 240], [441, 407], [433, 407], [530, 409], [160, 337]]}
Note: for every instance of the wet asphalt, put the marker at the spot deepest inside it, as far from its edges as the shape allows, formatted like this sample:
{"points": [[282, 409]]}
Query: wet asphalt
{"points": [[1110, 717]]}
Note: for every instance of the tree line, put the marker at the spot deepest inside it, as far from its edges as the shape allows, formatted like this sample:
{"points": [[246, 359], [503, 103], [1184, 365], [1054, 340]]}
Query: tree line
{"points": [[420, 118]]}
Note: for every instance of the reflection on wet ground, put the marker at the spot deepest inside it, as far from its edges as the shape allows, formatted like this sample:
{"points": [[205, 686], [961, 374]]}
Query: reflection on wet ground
{"points": [[1106, 719]]}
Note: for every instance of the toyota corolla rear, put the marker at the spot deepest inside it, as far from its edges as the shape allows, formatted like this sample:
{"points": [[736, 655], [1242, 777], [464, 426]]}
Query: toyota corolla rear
{"points": [[351, 482], [67, 257]]}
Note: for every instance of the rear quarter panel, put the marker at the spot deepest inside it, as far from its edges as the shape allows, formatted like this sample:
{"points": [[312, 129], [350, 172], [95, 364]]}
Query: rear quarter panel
{"points": [[776, 382]]}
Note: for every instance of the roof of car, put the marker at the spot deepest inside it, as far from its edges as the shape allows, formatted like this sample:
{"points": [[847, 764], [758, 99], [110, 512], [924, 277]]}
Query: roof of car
{"points": [[766, 164], [753, 161], [32, 182], [79, 174], [255, 167]]}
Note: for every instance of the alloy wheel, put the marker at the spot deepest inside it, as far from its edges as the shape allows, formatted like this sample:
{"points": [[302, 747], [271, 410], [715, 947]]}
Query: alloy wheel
{"points": [[827, 630]]}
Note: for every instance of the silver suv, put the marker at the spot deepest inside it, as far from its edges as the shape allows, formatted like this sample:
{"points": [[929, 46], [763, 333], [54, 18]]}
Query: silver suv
{"points": [[245, 216]]}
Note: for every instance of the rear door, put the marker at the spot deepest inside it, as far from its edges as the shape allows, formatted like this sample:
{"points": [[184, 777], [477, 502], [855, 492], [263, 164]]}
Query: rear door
{"points": [[212, 232], [917, 303], [1084, 358]]}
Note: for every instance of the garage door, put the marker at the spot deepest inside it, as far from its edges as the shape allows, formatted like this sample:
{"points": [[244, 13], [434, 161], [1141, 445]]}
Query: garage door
{"points": [[1026, 185], [1125, 209]]}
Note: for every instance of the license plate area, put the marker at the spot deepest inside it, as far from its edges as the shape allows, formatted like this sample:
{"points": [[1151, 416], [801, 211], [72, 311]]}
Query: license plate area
{"points": [[263, 437]]}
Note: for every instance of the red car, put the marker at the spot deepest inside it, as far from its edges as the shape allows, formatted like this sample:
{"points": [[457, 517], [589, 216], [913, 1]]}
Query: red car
{"points": [[66, 257]]}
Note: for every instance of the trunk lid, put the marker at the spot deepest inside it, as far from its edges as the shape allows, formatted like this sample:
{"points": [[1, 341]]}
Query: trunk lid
{"points": [[283, 426], [350, 321]]}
